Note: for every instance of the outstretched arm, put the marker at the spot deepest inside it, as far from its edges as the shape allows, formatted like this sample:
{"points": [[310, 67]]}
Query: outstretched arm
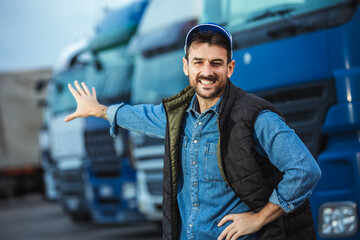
{"points": [[87, 103]]}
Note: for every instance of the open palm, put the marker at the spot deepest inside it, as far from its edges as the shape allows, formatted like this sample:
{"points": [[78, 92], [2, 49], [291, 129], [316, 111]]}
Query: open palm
{"points": [[87, 103]]}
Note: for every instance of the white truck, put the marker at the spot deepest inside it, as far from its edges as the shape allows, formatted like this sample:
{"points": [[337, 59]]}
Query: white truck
{"points": [[66, 140], [20, 121]]}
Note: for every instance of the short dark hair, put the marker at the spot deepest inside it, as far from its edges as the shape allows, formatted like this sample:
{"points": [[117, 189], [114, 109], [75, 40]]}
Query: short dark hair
{"points": [[212, 39]]}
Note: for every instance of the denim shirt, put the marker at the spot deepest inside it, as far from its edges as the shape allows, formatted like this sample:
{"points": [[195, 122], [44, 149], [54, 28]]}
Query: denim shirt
{"points": [[200, 184]]}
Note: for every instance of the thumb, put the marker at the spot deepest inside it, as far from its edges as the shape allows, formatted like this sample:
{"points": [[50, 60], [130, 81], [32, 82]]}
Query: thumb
{"points": [[70, 117]]}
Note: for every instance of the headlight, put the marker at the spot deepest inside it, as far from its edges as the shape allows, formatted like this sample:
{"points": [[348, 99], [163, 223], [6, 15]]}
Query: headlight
{"points": [[338, 219], [128, 191], [106, 191]]}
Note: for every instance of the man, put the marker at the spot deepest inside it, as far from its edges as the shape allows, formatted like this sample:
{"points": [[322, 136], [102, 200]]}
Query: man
{"points": [[232, 168]]}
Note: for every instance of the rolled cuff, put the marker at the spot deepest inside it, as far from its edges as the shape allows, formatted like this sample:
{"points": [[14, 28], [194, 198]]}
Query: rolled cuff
{"points": [[111, 116], [277, 199]]}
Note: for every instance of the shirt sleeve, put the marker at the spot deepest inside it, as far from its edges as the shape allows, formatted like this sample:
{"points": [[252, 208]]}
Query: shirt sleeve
{"points": [[274, 139], [145, 118]]}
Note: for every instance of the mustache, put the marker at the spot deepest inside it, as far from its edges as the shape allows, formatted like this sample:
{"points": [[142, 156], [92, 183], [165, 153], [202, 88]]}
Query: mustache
{"points": [[208, 78]]}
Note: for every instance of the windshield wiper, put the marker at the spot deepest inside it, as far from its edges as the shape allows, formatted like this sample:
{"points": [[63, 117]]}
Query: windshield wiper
{"points": [[270, 13]]}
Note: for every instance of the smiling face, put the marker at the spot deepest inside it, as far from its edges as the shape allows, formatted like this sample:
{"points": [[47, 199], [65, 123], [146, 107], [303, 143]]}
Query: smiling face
{"points": [[208, 70]]}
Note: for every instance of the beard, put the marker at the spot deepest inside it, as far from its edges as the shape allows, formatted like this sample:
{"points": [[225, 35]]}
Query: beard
{"points": [[208, 94]]}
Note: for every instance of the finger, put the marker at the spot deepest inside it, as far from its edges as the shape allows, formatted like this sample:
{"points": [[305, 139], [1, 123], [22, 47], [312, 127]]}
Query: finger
{"points": [[225, 219], [94, 92], [231, 234], [85, 89], [225, 232], [73, 91], [79, 89], [70, 117], [236, 236]]}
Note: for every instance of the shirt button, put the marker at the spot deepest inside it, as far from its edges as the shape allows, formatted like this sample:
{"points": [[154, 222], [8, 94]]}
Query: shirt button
{"points": [[195, 141], [194, 162], [190, 225], [195, 205], [194, 183], [200, 123]]}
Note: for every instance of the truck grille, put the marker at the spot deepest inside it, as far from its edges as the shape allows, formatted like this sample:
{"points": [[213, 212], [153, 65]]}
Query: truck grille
{"points": [[149, 148], [155, 188], [107, 168], [154, 181], [304, 107], [99, 144]]}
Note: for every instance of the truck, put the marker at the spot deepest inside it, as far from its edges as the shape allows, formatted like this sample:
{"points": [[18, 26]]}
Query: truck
{"points": [[108, 175], [158, 49], [304, 56], [66, 142], [20, 121], [48, 164]]}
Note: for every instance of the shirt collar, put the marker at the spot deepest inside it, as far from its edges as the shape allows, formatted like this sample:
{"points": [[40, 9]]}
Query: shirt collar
{"points": [[194, 106]]}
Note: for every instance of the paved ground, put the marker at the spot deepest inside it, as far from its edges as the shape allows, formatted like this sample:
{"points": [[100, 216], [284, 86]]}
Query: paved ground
{"points": [[33, 218]]}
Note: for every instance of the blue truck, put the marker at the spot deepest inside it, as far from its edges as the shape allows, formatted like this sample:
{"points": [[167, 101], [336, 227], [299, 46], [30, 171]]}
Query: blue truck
{"points": [[304, 56], [108, 175]]}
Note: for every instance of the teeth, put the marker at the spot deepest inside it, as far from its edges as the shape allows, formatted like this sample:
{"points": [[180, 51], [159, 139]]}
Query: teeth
{"points": [[206, 82]]}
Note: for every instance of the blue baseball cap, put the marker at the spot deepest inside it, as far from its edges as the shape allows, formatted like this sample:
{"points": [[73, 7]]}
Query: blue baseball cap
{"points": [[207, 27]]}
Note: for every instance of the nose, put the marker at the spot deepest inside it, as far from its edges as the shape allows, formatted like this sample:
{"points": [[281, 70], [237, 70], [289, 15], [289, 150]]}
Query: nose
{"points": [[207, 69]]}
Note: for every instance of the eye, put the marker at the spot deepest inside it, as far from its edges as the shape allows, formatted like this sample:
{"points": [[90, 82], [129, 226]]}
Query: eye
{"points": [[217, 64]]}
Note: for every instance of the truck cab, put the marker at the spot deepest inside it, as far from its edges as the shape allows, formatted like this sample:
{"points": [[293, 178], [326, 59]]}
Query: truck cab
{"points": [[158, 49], [303, 56]]}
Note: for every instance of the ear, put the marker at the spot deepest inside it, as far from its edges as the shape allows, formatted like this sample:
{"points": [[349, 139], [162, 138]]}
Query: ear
{"points": [[230, 67], [185, 66]]}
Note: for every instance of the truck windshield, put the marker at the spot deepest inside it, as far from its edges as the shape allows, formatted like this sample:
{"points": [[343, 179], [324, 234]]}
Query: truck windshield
{"points": [[248, 13], [78, 68], [158, 77], [113, 81], [62, 99]]}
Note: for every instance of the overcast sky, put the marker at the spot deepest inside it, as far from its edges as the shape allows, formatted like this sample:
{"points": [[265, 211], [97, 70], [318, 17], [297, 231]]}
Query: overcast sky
{"points": [[33, 32]]}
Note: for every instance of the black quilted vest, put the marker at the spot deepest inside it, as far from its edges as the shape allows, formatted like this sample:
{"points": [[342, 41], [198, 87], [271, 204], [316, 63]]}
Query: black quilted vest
{"points": [[251, 176]]}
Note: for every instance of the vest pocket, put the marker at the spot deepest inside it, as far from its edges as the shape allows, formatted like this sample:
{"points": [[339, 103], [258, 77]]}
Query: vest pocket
{"points": [[211, 168]]}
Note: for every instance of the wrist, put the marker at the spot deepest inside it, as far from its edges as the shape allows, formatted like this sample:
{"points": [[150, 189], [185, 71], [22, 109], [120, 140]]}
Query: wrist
{"points": [[268, 214], [101, 112], [260, 220]]}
